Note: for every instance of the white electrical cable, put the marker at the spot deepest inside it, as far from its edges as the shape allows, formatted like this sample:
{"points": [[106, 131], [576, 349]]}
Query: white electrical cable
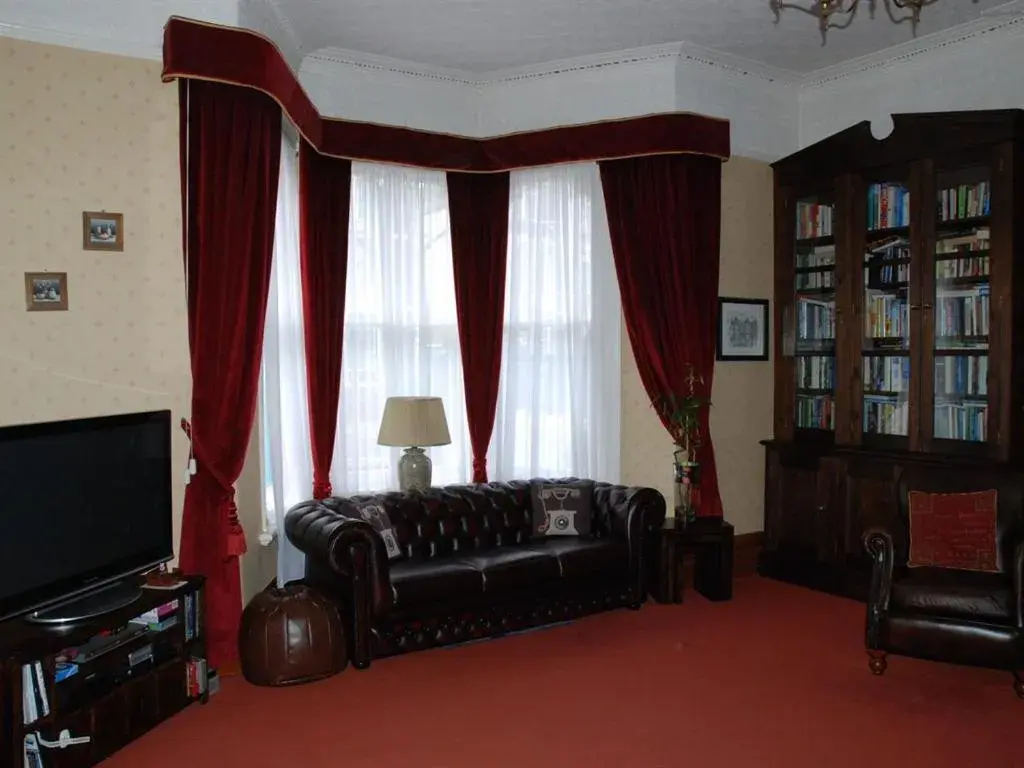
{"points": [[64, 739]]}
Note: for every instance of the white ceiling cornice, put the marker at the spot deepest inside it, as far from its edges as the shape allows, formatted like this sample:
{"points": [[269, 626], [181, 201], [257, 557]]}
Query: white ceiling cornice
{"points": [[1002, 25], [319, 61], [119, 46]]}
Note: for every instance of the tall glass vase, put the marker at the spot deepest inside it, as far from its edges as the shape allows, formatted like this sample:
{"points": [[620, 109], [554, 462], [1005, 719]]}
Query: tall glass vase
{"points": [[687, 489]]}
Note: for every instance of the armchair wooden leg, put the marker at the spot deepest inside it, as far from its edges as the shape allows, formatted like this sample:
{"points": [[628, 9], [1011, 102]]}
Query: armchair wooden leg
{"points": [[1018, 683], [877, 662]]}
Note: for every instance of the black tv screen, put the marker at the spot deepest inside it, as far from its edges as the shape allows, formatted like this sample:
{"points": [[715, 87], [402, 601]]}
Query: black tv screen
{"points": [[82, 503]]}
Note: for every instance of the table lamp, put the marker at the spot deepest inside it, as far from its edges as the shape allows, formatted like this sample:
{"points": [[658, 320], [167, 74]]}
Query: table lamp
{"points": [[413, 423]]}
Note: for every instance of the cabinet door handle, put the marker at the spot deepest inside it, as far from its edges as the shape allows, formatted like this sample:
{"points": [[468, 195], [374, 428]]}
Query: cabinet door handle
{"points": [[927, 306], [914, 306]]}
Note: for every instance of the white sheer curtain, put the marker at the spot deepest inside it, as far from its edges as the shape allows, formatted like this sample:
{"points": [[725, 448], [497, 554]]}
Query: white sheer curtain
{"points": [[558, 402], [287, 466], [401, 333]]}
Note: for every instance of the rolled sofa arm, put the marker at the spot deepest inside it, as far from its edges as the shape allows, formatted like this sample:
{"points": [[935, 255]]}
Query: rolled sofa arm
{"points": [[630, 513], [878, 542], [333, 534]]}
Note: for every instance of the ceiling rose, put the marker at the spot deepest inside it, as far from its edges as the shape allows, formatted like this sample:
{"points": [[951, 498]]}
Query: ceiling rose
{"points": [[839, 14]]}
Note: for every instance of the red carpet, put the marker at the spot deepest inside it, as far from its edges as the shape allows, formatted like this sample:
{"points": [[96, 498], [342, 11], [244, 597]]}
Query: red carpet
{"points": [[777, 677]]}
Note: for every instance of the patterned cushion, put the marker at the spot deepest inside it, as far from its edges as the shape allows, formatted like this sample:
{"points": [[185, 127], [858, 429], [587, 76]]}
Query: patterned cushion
{"points": [[375, 515], [562, 509], [953, 530]]}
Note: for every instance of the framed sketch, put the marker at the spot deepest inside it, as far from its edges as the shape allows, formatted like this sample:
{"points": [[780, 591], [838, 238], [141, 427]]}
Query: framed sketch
{"points": [[102, 231], [742, 329], [46, 291]]}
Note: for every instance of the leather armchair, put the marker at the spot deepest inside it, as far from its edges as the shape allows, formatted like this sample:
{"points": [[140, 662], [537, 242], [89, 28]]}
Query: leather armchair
{"points": [[963, 617]]}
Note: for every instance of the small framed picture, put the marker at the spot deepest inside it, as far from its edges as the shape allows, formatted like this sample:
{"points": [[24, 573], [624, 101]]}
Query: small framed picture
{"points": [[742, 329], [102, 231], [46, 291]]}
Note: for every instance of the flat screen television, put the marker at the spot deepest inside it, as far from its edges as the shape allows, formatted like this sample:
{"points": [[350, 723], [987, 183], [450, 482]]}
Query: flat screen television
{"points": [[84, 504]]}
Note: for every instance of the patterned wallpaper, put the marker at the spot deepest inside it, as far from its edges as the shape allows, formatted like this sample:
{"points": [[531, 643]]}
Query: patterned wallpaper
{"points": [[89, 132], [741, 411]]}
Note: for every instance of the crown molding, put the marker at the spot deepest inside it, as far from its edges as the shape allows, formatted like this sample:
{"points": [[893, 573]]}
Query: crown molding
{"points": [[120, 46], [289, 30], [999, 24], [322, 60]]}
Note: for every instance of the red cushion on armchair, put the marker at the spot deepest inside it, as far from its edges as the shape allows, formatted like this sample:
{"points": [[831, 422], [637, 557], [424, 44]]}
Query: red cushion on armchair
{"points": [[953, 530]]}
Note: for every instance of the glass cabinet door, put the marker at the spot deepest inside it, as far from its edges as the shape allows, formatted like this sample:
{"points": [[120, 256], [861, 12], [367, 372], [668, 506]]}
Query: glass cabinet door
{"points": [[960, 310], [886, 347], [815, 294]]}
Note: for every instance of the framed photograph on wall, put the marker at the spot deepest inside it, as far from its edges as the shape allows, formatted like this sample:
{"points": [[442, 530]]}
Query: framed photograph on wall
{"points": [[102, 231], [742, 329], [46, 291]]}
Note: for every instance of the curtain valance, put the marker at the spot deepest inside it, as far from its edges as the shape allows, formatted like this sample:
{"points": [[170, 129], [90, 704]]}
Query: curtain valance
{"points": [[202, 51]]}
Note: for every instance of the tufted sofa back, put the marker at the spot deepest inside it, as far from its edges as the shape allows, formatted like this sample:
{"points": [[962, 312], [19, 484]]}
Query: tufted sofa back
{"points": [[455, 519]]}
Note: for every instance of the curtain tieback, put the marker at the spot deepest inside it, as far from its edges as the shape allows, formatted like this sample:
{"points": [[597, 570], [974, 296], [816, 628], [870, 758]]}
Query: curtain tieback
{"points": [[480, 470], [322, 489]]}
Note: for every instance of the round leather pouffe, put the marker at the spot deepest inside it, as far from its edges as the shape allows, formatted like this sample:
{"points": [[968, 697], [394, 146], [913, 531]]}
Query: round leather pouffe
{"points": [[291, 635]]}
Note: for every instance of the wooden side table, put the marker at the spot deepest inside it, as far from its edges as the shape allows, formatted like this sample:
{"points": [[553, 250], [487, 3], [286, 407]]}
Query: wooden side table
{"points": [[711, 541]]}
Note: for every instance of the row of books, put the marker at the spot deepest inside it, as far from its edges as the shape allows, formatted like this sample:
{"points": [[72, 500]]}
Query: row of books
{"points": [[977, 239], [970, 266], [814, 412], [961, 375], [811, 280], [886, 415], [885, 275], [196, 677], [193, 615], [962, 312], [888, 206], [816, 372], [886, 316], [967, 421], [813, 219], [35, 703], [886, 374], [816, 320], [965, 201], [819, 256]]}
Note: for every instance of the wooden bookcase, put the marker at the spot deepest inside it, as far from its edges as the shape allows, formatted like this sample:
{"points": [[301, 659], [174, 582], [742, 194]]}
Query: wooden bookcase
{"points": [[899, 294], [108, 699]]}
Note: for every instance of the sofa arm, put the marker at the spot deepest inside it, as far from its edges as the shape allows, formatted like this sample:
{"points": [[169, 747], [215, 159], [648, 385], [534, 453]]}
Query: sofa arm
{"points": [[334, 535], [629, 511], [879, 544]]}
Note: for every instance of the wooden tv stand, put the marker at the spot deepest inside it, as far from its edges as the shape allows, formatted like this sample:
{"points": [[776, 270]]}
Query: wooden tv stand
{"points": [[107, 699]]}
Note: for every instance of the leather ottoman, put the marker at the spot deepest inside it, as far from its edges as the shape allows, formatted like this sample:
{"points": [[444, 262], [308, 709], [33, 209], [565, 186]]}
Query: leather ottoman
{"points": [[290, 635]]}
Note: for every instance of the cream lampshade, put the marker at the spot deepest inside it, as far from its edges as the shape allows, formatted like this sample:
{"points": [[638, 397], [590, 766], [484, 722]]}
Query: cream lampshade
{"points": [[414, 423]]}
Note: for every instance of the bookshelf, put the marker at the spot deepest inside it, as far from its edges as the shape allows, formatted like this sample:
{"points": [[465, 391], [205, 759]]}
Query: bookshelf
{"points": [[899, 322], [105, 681], [815, 300]]}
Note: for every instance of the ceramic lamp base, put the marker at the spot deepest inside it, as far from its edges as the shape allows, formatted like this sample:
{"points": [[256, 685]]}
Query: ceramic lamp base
{"points": [[414, 469]]}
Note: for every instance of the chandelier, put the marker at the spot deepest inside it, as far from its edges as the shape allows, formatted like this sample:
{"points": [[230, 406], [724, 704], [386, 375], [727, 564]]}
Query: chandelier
{"points": [[839, 14]]}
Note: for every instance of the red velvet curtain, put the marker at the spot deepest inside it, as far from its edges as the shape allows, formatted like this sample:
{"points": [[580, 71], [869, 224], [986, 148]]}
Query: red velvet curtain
{"points": [[478, 208], [664, 216], [325, 185], [231, 150]]}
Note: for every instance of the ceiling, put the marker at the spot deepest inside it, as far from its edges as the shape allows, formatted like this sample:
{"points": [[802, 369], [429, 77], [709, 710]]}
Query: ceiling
{"points": [[487, 35]]}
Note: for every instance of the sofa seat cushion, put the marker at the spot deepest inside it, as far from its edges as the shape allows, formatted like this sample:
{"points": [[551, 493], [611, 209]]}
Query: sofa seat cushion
{"points": [[952, 593], [418, 582], [585, 558], [512, 569]]}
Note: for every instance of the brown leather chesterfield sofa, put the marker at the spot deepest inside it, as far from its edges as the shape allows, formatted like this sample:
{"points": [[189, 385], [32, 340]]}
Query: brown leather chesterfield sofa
{"points": [[942, 614], [469, 567]]}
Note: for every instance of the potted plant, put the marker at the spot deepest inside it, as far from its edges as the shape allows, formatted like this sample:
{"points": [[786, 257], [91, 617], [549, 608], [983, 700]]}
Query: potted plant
{"points": [[681, 412]]}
